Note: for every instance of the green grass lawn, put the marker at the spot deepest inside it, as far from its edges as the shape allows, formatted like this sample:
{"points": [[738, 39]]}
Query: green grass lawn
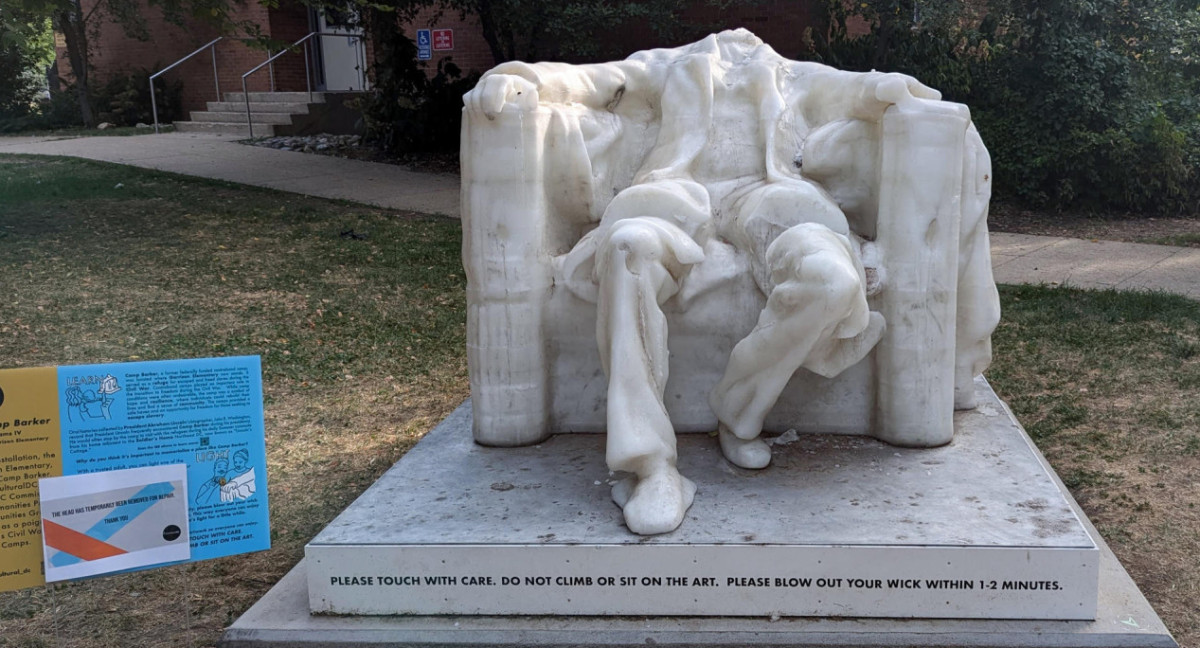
{"points": [[358, 314], [118, 131]]}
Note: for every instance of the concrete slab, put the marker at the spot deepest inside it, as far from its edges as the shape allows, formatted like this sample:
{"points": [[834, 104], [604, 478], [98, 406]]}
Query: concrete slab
{"points": [[1178, 273], [1082, 264], [1006, 247], [281, 620], [1123, 617]]}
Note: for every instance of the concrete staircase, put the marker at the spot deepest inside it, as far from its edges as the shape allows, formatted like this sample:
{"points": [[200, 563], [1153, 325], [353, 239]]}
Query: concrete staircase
{"points": [[272, 113]]}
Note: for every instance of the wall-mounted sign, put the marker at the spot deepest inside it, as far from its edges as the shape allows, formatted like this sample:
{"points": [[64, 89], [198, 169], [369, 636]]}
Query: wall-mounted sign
{"points": [[424, 45], [443, 40]]}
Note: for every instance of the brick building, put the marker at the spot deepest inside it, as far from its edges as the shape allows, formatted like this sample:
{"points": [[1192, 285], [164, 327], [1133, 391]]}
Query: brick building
{"points": [[779, 22]]}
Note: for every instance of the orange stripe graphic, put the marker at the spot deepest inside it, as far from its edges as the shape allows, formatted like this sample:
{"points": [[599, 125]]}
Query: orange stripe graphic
{"points": [[77, 544]]}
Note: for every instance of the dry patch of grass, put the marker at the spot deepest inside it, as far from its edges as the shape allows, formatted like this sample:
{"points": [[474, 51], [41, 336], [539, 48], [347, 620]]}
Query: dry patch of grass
{"points": [[362, 341], [1181, 231], [1108, 385]]}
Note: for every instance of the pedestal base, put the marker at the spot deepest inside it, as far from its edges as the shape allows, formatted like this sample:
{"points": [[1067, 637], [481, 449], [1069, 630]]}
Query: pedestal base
{"points": [[837, 526]]}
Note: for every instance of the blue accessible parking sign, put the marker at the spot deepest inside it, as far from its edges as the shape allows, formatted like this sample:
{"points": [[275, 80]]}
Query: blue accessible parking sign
{"points": [[424, 45]]}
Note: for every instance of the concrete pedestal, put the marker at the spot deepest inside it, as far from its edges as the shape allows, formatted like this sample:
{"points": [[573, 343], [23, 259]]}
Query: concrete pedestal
{"points": [[457, 535]]}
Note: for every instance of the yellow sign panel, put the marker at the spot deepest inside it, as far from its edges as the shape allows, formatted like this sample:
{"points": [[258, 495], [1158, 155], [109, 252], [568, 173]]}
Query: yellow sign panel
{"points": [[30, 448]]}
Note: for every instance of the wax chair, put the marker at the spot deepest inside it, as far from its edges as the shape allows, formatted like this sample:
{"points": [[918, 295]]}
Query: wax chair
{"points": [[534, 365]]}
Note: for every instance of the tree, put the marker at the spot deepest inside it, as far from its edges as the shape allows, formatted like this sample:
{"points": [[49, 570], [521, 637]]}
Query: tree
{"points": [[26, 49], [1083, 103], [545, 29], [77, 21]]}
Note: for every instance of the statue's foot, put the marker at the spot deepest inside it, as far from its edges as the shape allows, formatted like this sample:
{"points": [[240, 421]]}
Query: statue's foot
{"points": [[655, 503], [837, 356], [745, 453]]}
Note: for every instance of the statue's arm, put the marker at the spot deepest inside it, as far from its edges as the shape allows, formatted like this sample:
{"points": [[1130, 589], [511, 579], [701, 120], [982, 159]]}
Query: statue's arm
{"points": [[599, 86], [832, 95]]}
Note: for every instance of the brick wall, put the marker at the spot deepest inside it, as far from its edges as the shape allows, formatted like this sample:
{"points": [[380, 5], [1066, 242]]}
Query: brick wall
{"points": [[780, 23], [113, 53], [470, 51]]}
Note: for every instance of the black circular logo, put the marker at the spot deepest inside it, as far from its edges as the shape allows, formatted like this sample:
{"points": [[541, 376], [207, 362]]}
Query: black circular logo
{"points": [[171, 532], [1, 395]]}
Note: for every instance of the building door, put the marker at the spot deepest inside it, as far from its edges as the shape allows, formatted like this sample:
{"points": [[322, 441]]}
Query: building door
{"points": [[343, 58]]}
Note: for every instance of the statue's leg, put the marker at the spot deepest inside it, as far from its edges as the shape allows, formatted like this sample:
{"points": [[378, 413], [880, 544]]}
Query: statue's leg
{"points": [[978, 302], [816, 315], [638, 268]]}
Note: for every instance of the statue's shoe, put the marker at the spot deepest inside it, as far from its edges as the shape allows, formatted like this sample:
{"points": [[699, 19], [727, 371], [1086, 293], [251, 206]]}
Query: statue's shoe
{"points": [[744, 453], [656, 503]]}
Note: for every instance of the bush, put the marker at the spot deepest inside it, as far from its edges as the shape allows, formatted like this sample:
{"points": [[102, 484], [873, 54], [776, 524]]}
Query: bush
{"points": [[427, 118], [19, 85], [124, 100], [1084, 104]]}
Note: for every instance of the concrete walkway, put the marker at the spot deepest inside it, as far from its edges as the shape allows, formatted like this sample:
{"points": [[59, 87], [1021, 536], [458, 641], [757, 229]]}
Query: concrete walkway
{"points": [[1021, 258], [222, 158], [1016, 258]]}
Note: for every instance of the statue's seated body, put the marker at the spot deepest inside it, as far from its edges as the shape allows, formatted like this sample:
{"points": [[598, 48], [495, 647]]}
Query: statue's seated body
{"points": [[796, 246]]}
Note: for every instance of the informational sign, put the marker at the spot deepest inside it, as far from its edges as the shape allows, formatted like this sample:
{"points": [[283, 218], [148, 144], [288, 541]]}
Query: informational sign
{"points": [[104, 522], [443, 40], [205, 414], [30, 449], [424, 45]]}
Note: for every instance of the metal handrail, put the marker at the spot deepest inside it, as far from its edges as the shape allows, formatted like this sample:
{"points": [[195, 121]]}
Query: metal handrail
{"points": [[216, 80], [307, 73]]}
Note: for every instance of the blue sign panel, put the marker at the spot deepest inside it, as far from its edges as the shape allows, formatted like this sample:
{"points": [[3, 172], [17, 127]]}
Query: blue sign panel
{"points": [[205, 413], [424, 45]]}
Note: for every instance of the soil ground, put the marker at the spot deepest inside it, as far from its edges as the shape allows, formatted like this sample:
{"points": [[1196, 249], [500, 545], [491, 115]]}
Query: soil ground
{"points": [[1133, 228]]}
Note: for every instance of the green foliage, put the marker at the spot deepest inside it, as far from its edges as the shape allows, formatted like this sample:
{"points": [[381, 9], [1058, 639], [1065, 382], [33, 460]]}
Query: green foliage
{"points": [[425, 117], [407, 110], [23, 59], [124, 100], [1090, 104], [77, 26], [18, 88], [534, 30]]}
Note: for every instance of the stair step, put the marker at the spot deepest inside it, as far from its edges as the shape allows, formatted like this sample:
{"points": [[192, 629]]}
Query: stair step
{"points": [[260, 130], [276, 97], [240, 117], [259, 107]]}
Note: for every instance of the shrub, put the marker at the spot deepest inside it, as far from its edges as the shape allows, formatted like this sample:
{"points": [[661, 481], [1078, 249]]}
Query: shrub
{"points": [[19, 85], [124, 100], [1084, 104]]}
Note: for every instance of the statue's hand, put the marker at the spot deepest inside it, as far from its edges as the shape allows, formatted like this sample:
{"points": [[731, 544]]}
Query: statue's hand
{"points": [[894, 88], [495, 91]]}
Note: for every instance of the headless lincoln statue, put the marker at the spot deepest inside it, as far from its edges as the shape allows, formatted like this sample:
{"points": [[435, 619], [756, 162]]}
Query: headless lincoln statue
{"points": [[715, 130]]}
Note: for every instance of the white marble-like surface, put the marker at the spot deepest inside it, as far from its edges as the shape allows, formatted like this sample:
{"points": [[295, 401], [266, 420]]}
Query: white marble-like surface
{"points": [[713, 237]]}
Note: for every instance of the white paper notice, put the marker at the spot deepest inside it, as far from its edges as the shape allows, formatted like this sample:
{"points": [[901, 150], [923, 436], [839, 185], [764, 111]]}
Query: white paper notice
{"points": [[110, 521]]}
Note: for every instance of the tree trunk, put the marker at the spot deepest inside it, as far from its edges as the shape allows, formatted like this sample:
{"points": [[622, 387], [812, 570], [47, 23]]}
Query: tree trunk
{"points": [[70, 23], [487, 24]]}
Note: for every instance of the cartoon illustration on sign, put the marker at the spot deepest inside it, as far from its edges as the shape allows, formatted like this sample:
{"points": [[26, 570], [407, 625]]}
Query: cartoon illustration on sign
{"points": [[228, 484], [209, 491], [239, 481], [88, 405]]}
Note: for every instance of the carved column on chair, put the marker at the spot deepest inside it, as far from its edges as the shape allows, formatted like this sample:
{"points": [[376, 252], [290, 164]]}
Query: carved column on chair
{"points": [[918, 233], [504, 210]]}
